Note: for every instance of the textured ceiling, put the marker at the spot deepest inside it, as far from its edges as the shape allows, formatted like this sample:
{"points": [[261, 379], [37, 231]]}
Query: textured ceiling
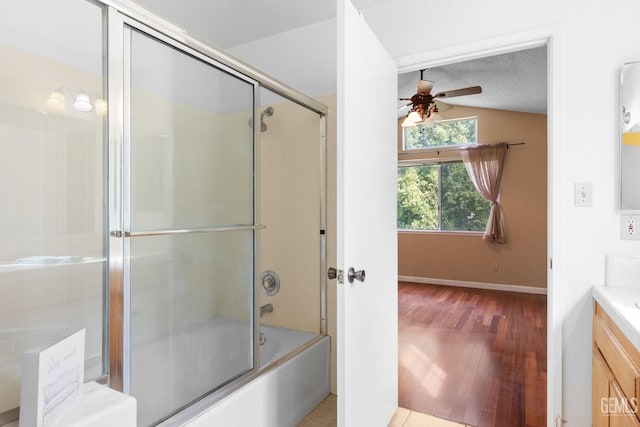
{"points": [[515, 81]]}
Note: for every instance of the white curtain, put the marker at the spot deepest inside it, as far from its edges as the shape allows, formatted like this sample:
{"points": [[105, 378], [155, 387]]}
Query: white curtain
{"points": [[484, 164]]}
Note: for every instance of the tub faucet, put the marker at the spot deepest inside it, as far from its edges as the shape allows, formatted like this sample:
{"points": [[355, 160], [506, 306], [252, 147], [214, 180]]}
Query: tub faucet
{"points": [[267, 308]]}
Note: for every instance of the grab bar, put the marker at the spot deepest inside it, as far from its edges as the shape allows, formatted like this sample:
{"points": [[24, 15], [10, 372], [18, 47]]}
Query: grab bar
{"points": [[119, 233]]}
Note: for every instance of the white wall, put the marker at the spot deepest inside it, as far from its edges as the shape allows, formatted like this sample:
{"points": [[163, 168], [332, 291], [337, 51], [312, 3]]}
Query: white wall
{"points": [[592, 47], [593, 39]]}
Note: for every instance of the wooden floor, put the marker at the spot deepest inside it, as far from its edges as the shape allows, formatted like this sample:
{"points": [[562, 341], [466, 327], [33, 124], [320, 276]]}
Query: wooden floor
{"points": [[473, 356]]}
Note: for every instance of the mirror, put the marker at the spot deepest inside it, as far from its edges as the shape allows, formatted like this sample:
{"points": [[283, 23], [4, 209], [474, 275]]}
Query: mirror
{"points": [[630, 137]]}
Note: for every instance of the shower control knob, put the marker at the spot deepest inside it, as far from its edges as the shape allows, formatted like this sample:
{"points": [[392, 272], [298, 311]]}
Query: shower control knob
{"points": [[355, 275]]}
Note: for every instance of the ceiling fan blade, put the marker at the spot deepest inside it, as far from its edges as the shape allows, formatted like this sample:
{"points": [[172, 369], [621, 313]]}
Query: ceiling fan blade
{"points": [[425, 86], [459, 92], [442, 107]]}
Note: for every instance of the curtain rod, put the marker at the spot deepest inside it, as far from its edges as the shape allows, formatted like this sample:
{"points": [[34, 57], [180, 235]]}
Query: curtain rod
{"points": [[460, 149]]}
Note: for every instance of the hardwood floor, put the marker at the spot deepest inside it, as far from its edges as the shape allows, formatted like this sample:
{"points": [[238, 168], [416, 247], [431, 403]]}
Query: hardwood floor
{"points": [[473, 356]]}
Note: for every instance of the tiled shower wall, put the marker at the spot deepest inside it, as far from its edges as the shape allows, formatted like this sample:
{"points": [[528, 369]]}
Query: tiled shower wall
{"points": [[51, 237], [290, 208]]}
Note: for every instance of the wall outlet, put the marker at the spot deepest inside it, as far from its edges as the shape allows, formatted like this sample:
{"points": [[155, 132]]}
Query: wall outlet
{"points": [[629, 227], [494, 266]]}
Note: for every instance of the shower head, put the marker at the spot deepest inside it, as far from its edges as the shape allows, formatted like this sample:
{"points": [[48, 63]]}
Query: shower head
{"points": [[266, 112]]}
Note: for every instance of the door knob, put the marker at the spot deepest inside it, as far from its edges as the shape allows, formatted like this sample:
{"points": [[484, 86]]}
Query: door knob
{"points": [[334, 273], [355, 275]]}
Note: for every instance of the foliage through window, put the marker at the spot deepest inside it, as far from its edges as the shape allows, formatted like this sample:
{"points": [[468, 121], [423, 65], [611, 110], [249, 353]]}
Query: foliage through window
{"points": [[443, 134], [439, 197]]}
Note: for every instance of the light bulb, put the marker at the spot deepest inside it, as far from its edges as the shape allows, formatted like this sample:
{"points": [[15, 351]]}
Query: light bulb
{"points": [[408, 123], [100, 106], [56, 100], [82, 103], [433, 118], [414, 116]]}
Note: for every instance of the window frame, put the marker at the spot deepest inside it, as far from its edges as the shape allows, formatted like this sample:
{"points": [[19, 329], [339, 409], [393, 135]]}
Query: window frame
{"points": [[430, 156], [426, 150]]}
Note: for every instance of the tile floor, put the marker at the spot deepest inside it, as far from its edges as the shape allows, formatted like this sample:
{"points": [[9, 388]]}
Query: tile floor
{"points": [[324, 415]]}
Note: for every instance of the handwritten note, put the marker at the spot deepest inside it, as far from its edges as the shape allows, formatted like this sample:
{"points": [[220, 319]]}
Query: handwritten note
{"points": [[52, 381]]}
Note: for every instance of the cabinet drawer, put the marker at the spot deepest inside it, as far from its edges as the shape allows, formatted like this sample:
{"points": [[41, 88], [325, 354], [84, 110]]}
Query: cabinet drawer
{"points": [[624, 370]]}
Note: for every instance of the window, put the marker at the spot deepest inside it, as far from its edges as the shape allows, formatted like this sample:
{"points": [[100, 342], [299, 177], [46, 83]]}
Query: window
{"points": [[439, 197], [434, 194], [446, 133]]}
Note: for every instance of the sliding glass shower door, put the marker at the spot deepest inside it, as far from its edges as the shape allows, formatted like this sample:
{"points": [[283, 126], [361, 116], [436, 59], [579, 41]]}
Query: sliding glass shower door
{"points": [[188, 221]]}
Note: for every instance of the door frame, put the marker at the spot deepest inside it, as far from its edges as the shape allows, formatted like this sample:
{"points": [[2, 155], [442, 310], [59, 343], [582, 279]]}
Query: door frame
{"points": [[549, 37]]}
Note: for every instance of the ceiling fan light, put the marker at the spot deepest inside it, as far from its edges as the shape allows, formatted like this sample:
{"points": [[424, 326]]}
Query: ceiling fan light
{"points": [[433, 117], [406, 123], [436, 116], [414, 116]]}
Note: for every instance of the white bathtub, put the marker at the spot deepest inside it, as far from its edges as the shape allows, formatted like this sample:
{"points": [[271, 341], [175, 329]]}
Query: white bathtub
{"points": [[283, 393], [279, 342]]}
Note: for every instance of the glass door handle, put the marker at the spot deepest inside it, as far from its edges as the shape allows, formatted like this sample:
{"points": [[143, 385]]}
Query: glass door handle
{"points": [[239, 227]]}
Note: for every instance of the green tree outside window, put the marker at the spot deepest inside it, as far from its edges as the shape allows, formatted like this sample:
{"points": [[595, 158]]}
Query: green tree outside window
{"points": [[442, 134], [440, 196]]}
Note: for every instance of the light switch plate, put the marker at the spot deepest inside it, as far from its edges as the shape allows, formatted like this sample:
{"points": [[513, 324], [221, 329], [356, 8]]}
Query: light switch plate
{"points": [[583, 194]]}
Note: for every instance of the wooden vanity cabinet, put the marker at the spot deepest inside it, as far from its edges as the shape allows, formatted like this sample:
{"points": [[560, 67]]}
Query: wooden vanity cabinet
{"points": [[616, 375]]}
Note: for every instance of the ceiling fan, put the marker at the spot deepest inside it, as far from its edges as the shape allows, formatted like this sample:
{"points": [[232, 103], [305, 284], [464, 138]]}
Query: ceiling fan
{"points": [[425, 107]]}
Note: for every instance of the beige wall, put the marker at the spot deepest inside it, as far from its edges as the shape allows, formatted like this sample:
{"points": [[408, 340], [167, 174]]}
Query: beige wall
{"points": [[290, 209], [465, 256], [51, 188]]}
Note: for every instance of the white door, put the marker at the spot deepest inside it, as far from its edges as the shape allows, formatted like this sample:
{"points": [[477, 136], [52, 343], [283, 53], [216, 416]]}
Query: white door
{"points": [[367, 240]]}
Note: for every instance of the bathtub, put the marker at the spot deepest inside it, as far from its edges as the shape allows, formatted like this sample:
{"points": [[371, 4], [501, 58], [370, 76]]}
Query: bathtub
{"points": [[278, 342], [286, 388]]}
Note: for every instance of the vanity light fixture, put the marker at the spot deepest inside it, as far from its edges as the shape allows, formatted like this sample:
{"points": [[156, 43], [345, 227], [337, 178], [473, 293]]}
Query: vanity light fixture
{"points": [[56, 100], [81, 102]]}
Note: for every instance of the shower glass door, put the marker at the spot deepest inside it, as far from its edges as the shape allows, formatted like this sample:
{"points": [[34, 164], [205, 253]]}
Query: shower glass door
{"points": [[188, 201]]}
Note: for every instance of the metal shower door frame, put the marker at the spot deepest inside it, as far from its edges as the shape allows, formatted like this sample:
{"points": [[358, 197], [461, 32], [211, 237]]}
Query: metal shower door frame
{"points": [[119, 17], [120, 235]]}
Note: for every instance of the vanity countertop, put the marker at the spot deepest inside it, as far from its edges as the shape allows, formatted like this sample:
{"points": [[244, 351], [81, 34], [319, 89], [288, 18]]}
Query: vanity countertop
{"points": [[620, 304]]}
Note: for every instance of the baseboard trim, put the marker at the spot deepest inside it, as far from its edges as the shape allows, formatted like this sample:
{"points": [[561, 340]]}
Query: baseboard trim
{"points": [[475, 285]]}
